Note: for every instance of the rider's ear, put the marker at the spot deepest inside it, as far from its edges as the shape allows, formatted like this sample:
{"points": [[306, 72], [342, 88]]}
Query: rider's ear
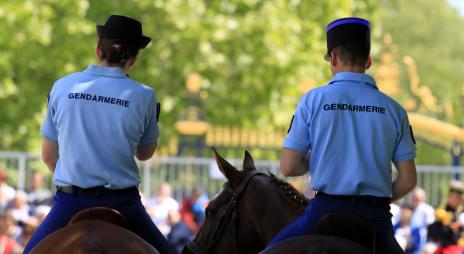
{"points": [[248, 163], [233, 175]]}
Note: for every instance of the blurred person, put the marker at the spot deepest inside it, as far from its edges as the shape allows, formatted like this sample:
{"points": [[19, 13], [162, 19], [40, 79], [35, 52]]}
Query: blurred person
{"points": [[406, 233], [38, 195], [180, 234], [440, 232], [395, 210], [41, 212], [199, 205], [446, 231], [7, 192], [27, 230], [429, 248], [454, 205], [97, 122], [193, 209], [346, 135], [455, 198], [451, 249], [160, 206], [7, 243], [19, 207], [12, 228], [424, 213]]}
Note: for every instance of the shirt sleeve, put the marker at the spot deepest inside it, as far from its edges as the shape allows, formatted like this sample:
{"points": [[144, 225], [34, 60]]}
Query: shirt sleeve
{"points": [[406, 145], [48, 128], [298, 136], [151, 133]]}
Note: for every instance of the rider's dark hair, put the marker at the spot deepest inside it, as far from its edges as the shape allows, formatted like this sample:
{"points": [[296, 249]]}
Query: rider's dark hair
{"points": [[116, 51], [352, 54]]}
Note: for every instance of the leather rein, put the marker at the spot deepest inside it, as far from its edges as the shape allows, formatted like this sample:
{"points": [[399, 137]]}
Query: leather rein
{"points": [[229, 214]]}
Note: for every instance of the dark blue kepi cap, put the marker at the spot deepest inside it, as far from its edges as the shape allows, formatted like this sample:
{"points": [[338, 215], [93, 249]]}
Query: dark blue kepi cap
{"points": [[348, 31]]}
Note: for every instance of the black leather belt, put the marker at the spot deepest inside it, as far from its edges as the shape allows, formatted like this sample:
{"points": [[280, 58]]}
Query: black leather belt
{"points": [[94, 191], [355, 199]]}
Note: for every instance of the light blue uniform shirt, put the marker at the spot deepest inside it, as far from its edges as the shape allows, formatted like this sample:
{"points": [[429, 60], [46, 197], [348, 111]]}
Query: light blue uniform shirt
{"points": [[354, 132], [99, 117]]}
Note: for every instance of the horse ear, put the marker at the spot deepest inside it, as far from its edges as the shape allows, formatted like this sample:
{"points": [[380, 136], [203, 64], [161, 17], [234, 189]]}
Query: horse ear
{"points": [[248, 163], [232, 174]]}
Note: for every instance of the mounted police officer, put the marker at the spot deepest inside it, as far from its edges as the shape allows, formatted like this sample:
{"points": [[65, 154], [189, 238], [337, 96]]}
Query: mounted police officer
{"points": [[347, 134], [96, 121]]}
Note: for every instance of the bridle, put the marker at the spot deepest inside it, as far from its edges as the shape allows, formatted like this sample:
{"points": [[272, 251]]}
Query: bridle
{"points": [[229, 214]]}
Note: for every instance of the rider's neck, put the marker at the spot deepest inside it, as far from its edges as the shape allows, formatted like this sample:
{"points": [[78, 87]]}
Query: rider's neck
{"points": [[347, 68], [125, 67]]}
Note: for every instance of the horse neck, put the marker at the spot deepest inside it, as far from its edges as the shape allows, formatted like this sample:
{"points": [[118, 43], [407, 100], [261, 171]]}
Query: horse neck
{"points": [[272, 210]]}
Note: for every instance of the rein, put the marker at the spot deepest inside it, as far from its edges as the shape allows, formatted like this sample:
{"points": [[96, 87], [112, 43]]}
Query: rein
{"points": [[228, 215]]}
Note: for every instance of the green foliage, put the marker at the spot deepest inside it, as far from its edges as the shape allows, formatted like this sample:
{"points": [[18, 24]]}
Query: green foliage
{"points": [[41, 40], [428, 31], [251, 53], [431, 155]]}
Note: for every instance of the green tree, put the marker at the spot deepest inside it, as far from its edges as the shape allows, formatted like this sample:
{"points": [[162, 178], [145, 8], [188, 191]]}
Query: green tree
{"points": [[427, 31], [41, 41], [251, 53]]}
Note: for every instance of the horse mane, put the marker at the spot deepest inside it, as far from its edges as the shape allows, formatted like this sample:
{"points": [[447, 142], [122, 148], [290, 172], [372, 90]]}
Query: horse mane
{"points": [[290, 191]]}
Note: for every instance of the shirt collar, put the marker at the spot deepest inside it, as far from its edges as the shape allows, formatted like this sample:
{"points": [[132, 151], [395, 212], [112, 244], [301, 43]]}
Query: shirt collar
{"points": [[114, 72], [354, 77]]}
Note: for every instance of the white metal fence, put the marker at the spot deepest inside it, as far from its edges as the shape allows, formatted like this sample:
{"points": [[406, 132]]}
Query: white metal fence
{"points": [[184, 174]]}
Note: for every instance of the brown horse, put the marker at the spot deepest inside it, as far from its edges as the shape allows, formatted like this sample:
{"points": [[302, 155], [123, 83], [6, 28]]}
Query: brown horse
{"points": [[94, 231], [251, 209]]}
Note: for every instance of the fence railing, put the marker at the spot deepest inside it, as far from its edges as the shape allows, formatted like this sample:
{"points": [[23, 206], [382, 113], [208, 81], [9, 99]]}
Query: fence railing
{"points": [[185, 173], [22, 163]]}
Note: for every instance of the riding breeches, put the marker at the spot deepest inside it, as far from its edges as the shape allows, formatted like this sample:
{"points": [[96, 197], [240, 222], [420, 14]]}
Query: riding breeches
{"points": [[377, 214]]}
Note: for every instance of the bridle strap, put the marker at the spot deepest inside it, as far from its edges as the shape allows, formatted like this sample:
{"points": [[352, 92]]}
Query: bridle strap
{"points": [[225, 217]]}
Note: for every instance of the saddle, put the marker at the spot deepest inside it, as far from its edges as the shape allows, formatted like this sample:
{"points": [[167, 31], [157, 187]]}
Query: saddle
{"points": [[101, 214], [94, 231]]}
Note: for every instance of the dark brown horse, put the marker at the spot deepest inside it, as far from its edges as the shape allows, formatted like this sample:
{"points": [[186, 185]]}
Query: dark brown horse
{"points": [[251, 209], [94, 231]]}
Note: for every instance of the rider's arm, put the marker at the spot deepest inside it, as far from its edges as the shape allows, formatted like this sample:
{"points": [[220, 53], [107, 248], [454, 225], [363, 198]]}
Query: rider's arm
{"points": [[293, 163], [406, 180], [148, 142], [50, 153], [144, 153]]}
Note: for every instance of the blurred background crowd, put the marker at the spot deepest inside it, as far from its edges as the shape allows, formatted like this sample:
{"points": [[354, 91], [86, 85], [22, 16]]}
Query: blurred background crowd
{"points": [[21, 212], [419, 227]]}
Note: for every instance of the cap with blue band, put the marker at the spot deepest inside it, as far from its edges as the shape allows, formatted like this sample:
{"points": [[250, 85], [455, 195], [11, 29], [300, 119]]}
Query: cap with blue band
{"points": [[348, 31]]}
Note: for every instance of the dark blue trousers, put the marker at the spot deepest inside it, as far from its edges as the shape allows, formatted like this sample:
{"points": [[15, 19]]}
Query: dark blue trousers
{"points": [[66, 205], [378, 214]]}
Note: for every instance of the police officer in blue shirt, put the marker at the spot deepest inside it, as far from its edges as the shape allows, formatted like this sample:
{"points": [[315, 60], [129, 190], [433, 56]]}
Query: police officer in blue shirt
{"points": [[96, 121], [346, 134]]}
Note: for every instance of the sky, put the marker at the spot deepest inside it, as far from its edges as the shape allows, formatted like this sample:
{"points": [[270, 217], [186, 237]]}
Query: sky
{"points": [[459, 4]]}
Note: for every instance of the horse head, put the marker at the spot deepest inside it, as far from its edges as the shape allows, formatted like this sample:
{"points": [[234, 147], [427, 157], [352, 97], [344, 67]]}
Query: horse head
{"points": [[248, 212]]}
